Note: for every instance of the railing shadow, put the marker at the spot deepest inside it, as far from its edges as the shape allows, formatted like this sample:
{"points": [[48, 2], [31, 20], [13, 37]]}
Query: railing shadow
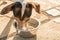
{"points": [[6, 31]]}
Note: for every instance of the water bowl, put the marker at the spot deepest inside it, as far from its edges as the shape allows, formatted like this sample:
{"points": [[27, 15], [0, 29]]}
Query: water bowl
{"points": [[32, 26]]}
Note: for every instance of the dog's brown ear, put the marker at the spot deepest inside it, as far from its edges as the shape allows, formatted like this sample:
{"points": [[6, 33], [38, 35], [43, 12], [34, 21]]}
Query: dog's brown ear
{"points": [[36, 6], [6, 9]]}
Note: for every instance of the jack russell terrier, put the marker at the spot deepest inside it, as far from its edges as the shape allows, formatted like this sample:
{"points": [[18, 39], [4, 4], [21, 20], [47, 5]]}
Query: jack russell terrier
{"points": [[17, 12]]}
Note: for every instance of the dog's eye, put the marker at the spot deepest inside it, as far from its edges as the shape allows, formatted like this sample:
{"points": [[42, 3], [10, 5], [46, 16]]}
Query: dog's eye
{"points": [[27, 9], [28, 5], [17, 9]]}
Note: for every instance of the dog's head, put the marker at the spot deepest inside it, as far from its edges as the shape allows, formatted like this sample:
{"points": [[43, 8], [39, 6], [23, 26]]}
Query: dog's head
{"points": [[17, 10], [17, 6]]}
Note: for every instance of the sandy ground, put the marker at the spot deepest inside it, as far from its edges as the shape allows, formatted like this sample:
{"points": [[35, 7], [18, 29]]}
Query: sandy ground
{"points": [[49, 18]]}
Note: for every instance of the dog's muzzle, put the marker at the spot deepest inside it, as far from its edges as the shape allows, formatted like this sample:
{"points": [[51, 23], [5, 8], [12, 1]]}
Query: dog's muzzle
{"points": [[19, 26]]}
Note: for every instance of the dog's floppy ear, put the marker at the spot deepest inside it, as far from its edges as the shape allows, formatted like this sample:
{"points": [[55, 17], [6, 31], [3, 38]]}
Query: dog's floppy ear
{"points": [[36, 6], [6, 9]]}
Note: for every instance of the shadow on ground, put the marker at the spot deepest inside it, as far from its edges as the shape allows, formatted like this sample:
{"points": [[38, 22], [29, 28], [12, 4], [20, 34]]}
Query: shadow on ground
{"points": [[6, 31], [17, 37]]}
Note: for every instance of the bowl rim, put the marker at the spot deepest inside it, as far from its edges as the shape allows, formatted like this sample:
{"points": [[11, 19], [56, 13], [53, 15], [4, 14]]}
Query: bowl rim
{"points": [[39, 23]]}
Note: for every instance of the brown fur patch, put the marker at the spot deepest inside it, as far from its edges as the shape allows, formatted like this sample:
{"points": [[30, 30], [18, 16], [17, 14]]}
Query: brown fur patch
{"points": [[6, 9], [17, 9], [36, 6]]}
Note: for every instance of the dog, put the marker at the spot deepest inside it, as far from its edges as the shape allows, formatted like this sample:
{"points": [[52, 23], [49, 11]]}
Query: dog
{"points": [[17, 12]]}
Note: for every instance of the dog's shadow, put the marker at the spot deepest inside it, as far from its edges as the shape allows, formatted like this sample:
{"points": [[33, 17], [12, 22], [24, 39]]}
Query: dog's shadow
{"points": [[18, 37]]}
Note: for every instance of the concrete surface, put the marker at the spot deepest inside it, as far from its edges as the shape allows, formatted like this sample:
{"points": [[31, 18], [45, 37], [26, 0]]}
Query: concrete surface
{"points": [[48, 30]]}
